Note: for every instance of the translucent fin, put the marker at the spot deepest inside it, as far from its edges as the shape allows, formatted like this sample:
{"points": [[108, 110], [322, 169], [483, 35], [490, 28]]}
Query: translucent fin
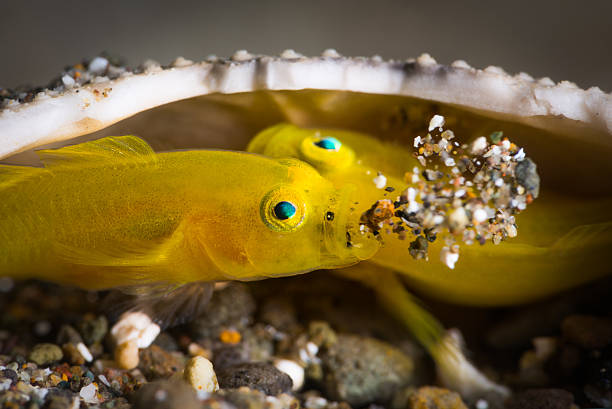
{"points": [[126, 150], [587, 236], [167, 304], [454, 369], [392, 294], [11, 175], [121, 254]]}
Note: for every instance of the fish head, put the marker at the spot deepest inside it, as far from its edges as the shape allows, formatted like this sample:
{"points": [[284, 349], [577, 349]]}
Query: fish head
{"points": [[290, 220], [341, 156]]}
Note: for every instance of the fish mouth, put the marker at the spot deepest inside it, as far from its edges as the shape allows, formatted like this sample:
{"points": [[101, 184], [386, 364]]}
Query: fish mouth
{"points": [[344, 242]]}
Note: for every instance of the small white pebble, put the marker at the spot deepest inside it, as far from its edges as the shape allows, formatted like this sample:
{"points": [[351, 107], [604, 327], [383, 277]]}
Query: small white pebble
{"points": [[499, 182], [315, 402], [380, 181], [417, 141], [103, 379], [479, 215], [68, 81], [506, 144], [98, 65], [436, 121], [312, 348], [135, 326], [413, 207], [479, 145], [293, 369], [200, 374], [482, 404], [411, 194], [460, 193], [88, 393], [511, 230], [5, 385], [448, 257], [449, 162], [438, 219], [84, 351], [519, 156]]}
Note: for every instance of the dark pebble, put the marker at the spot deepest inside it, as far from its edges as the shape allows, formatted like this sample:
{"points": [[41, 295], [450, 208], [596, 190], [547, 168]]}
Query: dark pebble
{"points": [[542, 399], [67, 334], [156, 363], [231, 307], [93, 329], [256, 375], [166, 341], [362, 370], [59, 399], [166, 395], [587, 331], [527, 176], [10, 374], [229, 355]]}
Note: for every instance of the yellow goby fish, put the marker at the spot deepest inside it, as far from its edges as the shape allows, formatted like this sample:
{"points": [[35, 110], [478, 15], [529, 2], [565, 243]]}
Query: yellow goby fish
{"points": [[113, 213], [558, 236]]}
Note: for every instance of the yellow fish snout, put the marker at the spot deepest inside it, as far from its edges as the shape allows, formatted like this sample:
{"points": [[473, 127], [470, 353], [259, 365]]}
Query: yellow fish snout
{"points": [[344, 241]]}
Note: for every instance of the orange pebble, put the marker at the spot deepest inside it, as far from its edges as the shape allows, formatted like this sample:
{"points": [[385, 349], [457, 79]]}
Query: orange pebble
{"points": [[230, 336]]}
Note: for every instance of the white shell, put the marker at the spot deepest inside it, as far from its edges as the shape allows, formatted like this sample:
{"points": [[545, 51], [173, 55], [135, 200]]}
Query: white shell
{"points": [[72, 110]]}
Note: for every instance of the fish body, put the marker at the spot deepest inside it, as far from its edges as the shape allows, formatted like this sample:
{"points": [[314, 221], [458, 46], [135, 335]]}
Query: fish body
{"points": [[562, 241], [112, 213]]}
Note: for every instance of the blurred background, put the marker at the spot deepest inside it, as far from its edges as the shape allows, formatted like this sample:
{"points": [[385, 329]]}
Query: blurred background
{"points": [[564, 40]]}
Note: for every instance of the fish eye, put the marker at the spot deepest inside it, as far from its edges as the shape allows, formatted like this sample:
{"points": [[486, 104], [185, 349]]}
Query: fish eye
{"points": [[283, 209], [326, 153], [329, 143]]}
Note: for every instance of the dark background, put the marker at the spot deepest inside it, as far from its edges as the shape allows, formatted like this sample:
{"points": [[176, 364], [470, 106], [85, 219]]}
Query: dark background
{"points": [[561, 39]]}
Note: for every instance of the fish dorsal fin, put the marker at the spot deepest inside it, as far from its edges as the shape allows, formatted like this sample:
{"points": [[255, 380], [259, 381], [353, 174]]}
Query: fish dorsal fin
{"points": [[128, 150]]}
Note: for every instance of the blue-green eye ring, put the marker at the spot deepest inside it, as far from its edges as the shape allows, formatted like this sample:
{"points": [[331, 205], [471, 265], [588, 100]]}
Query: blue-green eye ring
{"points": [[329, 143], [284, 210]]}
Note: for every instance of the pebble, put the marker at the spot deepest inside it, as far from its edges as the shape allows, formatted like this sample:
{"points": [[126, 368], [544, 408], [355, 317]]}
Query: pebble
{"points": [[255, 375], [231, 307], [156, 363], [72, 354], [321, 334], [88, 393], [587, 331], [199, 373], [126, 355], [293, 369], [93, 329], [542, 399], [135, 326], [44, 354], [361, 370], [245, 398], [166, 395], [67, 334], [431, 397], [527, 176]]}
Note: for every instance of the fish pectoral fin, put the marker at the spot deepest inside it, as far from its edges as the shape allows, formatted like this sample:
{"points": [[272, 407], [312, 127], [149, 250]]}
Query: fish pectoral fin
{"points": [[128, 150], [588, 236], [394, 297], [167, 304], [135, 254]]}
